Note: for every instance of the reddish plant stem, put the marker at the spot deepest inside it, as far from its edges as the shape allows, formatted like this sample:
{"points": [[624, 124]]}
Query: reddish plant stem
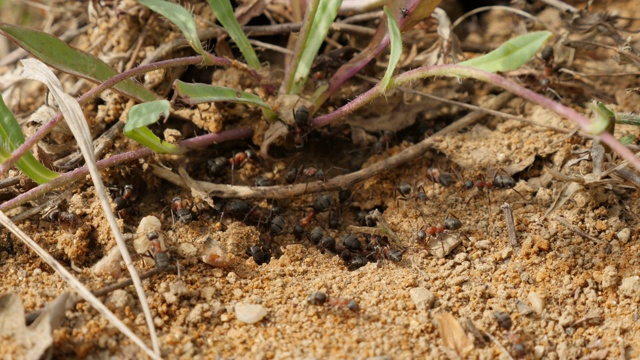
{"points": [[46, 128], [66, 178], [469, 72]]}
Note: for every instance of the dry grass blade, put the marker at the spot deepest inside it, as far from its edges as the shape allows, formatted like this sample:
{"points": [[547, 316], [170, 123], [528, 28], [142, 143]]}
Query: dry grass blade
{"points": [[70, 108], [74, 283]]}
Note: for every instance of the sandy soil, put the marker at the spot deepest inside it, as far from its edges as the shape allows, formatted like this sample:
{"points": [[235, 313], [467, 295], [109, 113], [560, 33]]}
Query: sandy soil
{"points": [[568, 282]]}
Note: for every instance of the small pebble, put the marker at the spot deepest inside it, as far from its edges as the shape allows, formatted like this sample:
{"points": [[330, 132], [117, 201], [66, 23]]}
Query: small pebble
{"points": [[537, 302], [422, 297], [249, 313], [483, 245], [119, 299], [630, 287], [624, 235], [538, 351], [523, 308], [609, 277]]}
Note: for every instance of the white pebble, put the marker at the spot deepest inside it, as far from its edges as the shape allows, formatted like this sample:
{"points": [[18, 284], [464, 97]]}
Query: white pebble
{"points": [[538, 302], [249, 313], [624, 235], [630, 287], [538, 351], [422, 297]]}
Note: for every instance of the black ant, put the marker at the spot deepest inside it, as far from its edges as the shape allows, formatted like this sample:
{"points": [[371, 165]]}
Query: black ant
{"points": [[259, 254], [302, 127], [62, 217], [183, 214], [123, 200], [407, 193], [442, 178], [404, 12], [322, 204]]}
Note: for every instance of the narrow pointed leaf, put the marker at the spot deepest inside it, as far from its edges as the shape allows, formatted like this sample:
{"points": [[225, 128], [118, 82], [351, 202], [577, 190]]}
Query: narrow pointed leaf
{"points": [[145, 114], [181, 18], [318, 20], [224, 13], [56, 53], [193, 94], [396, 49], [11, 137], [512, 54]]}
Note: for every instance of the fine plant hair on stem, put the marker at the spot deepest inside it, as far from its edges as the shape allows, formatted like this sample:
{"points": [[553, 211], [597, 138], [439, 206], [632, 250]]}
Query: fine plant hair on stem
{"points": [[75, 284], [79, 173], [469, 72], [339, 182]]}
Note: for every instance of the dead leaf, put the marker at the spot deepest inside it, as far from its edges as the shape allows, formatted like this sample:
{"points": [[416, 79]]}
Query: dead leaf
{"points": [[32, 341], [452, 334]]}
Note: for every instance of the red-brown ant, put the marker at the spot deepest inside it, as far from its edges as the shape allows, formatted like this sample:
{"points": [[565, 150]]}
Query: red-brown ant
{"points": [[450, 224], [500, 181], [320, 298], [322, 204], [183, 214], [157, 253]]}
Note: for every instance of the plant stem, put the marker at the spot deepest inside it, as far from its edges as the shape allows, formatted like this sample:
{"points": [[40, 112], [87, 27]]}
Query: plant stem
{"points": [[469, 72], [66, 178], [143, 69]]}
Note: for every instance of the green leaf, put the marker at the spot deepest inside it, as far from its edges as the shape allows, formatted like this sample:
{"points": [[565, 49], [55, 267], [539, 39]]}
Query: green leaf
{"points": [[63, 57], [396, 49], [181, 18], [320, 15], [512, 54], [11, 137], [603, 120], [193, 94], [145, 114], [224, 13]]}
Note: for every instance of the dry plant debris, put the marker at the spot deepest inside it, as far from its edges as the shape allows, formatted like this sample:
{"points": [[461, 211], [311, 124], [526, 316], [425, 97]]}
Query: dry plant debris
{"points": [[239, 272]]}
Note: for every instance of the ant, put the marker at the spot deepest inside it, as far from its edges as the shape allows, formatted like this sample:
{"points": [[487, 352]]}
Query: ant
{"points": [[241, 158], [404, 12], [157, 252], [514, 337], [260, 254], [123, 200], [320, 298], [62, 217], [322, 204], [406, 193], [450, 224], [500, 182], [183, 214], [442, 178], [302, 126], [218, 166]]}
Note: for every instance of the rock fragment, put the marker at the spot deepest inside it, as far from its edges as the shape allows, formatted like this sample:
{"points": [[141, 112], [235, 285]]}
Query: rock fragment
{"points": [[249, 313], [422, 297], [609, 277], [630, 287], [537, 301]]}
